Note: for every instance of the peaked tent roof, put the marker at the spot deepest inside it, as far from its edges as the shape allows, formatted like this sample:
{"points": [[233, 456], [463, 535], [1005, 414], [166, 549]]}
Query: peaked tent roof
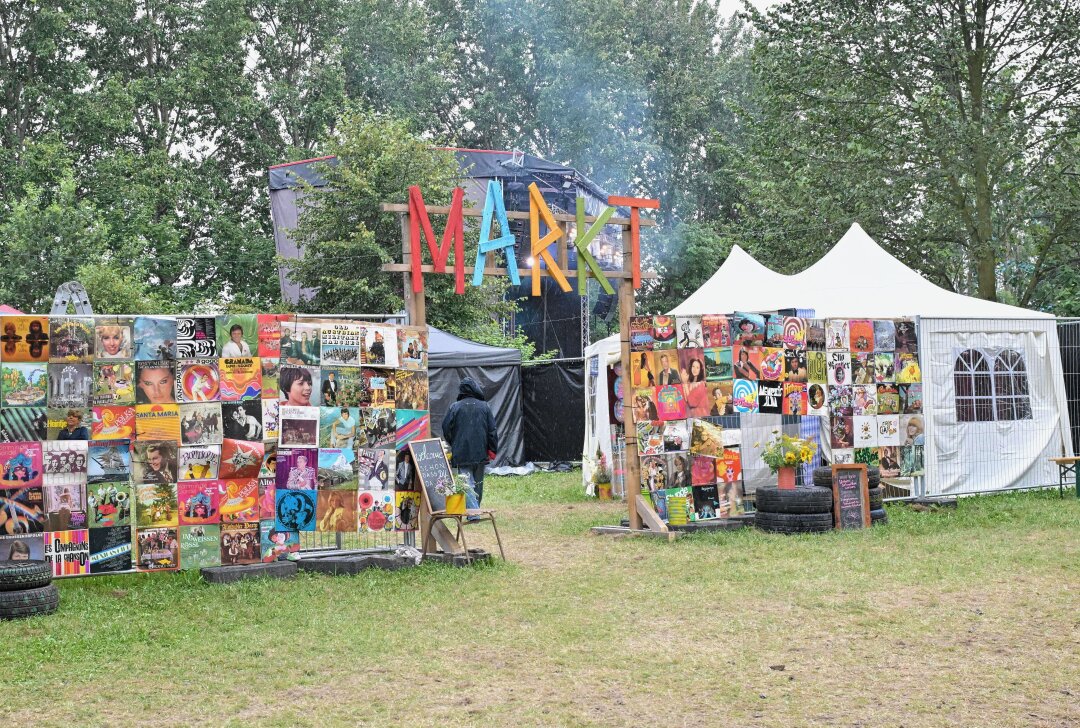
{"points": [[858, 277], [447, 350], [741, 283]]}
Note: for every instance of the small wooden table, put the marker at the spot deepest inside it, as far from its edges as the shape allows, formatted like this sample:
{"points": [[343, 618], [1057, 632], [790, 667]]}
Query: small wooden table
{"points": [[1067, 467], [463, 519]]}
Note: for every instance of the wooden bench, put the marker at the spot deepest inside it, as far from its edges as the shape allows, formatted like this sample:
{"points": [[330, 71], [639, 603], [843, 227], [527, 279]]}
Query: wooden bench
{"points": [[1067, 467]]}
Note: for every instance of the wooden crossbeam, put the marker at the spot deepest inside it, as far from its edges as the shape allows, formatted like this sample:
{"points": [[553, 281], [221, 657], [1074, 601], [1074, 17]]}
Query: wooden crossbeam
{"points": [[518, 215], [428, 268]]}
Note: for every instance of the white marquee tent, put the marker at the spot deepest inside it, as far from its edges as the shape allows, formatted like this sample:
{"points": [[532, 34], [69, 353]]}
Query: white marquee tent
{"points": [[859, 279]]}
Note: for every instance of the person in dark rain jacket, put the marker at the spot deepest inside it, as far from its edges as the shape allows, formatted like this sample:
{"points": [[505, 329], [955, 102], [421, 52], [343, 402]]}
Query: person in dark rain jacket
{"points": [[469, 427]]}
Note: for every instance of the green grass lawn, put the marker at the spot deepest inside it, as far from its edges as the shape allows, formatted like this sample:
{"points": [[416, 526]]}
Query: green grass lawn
{"points": [[958, 617]]}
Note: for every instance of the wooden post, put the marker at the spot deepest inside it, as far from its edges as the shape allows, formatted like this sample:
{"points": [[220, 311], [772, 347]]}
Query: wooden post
{"points": [[633, 466]]}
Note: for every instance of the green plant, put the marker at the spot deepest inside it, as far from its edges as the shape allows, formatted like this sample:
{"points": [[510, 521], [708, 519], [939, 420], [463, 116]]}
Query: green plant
{"points": [[785, 451]]}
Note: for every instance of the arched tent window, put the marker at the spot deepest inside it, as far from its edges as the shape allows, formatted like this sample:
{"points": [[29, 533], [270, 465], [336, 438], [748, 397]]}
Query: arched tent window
{"points": [[1011, 398], [991, 385], [974, 387]]}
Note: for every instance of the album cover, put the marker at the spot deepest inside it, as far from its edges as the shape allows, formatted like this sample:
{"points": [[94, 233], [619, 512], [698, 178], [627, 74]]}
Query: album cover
{"points": [[888, 399], [664, 332], [240, 458], [795, 365], [199, 462], [888, 430], [300, 343], [68, 552], [71, 340], [23, 424], [269, 328], [297, 468], [884, 335], [907, 338], [747, 329], [912, 462], [114, 383], [862, 368], [237, 335], [299, 426], [375, 510], [676, 435], [155, 338], [24, 339], [659, 503], [21, 465], [267, 497], [715, 331], [295, 509], [200, 546], [109, 504], [680, 504], [815, 334], [678, 469], [729, 466], [155, 382], [667, 368], [243, 420], [196, 337], [702, 470], [839, 368], [335, 511], [867, 456], [721, 398], [884, 368], [641, 338], [379, 388], [841, 401], [240, 501], [706, 439], [407, 513], [341, 344], [731, 499], [912, 430], [650, 437], [794, 332], [864, 400], [24, 385], [64, 457], [817, 367], [842, 432], [375, 468], [706, 502], [70, 385], [889, 461], [745, 395], [157, 549], [654, 473], [156, 504], [200, 424], [68, 423], [270, 420], [276, 544], [346, 387], [670, 403], [816, 401], [907, 368], [413, 347], [642, 369], [795, 398], [774, 331], [110, 550], [718, 364], [698, 401], [65, 502], [689, 334], [843, 456], [747, 362], [22, 547], [157, 422], [861, 332], [411, 390], [113, 338], [770, 398], [865, 431], [338, 470], [910, 399], [197, 380], [836, 335], [241, 379], [268, 468], [22, 509], [772, 364], [644, 402], [338, 426], [378, 428], [109, 462], [269, 375], [240, 543], [380, 346], [411, 425]]}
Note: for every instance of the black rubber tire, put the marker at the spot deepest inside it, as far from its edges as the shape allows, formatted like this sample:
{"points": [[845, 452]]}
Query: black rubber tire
{"points": [[823, 477], [29, 602], [794, 522], [771, 499], [19, 575], [876, 496], [878, 516]]}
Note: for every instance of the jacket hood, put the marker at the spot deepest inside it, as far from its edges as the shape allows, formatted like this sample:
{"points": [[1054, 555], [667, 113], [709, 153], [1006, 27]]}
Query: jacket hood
{"points": [[470, 388]]}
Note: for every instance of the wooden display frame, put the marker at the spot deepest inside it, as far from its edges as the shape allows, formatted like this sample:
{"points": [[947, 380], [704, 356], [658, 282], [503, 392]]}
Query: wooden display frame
{"points": [[641, 511], [864, 495]]}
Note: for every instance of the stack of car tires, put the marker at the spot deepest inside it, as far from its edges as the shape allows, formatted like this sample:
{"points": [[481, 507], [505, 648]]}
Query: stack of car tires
{"points": [[810, 509], [26, 589]]}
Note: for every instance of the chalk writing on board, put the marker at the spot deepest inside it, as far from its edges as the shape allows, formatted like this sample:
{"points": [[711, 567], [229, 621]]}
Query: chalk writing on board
{"points": [[850, 497], [432, 467]]}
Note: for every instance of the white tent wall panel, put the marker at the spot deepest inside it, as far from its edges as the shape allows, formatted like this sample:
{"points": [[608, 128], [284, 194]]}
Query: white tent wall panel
{"points": [[967, 457]]}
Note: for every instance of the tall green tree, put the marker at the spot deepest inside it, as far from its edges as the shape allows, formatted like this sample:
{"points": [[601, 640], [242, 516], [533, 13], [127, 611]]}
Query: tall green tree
{"points": [[948, 129]]}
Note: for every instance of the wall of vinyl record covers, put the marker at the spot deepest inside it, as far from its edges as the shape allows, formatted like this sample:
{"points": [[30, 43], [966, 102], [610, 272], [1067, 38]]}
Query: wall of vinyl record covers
{"points": [[860, 376], [162, 443]]}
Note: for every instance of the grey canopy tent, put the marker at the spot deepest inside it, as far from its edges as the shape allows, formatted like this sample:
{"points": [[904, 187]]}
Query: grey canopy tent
{"points": [[497, 370]]}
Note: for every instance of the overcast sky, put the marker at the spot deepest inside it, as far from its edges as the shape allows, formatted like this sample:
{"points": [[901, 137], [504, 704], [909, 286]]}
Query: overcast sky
{"points": [[727, 7]]}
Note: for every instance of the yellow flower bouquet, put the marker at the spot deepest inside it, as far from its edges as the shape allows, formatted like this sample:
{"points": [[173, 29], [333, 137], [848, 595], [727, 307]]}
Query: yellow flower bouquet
{"points": [[784, 451]]}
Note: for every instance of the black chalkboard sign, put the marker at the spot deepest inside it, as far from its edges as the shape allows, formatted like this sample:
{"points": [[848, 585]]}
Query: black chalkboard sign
{"points": [[429, 458], [851, 497]]}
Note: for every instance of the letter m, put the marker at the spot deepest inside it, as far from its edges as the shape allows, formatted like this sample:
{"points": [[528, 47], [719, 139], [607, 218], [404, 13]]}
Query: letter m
{"points": [[454, 233]]}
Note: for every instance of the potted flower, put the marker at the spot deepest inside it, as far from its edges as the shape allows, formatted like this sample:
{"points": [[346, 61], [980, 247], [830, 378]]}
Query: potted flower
{"points": [[783, 453], [454, 491], [601, 476]]}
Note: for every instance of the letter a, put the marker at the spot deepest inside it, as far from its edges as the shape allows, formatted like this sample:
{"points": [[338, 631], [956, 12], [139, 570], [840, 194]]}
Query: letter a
{"points": [[493, 203]]}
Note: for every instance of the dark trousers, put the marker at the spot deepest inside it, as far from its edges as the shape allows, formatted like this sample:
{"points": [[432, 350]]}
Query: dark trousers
{"points": [[476, 475]]}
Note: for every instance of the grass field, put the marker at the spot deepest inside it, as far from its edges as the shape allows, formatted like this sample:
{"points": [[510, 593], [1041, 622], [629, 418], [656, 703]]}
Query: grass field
{"points": [[954, 618]]}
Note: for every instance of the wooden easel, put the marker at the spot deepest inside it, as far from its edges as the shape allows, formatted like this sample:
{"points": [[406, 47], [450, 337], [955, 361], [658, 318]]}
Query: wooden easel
{"points": [[641, 511]]}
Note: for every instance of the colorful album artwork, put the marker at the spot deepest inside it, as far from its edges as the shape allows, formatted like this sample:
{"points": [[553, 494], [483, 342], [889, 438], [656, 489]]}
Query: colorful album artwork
{"points": [[24, 339], [71, 339], [196, 337], [155, 338], [157, 549], [664, 332], [641, 337], [68, 552], [237, 336], [113, 338], [341, 344], [23, 385]]}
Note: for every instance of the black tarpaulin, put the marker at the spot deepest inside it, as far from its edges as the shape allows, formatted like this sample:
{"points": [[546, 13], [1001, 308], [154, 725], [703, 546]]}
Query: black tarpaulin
{"points": [[553, 406], [497, 370]]}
